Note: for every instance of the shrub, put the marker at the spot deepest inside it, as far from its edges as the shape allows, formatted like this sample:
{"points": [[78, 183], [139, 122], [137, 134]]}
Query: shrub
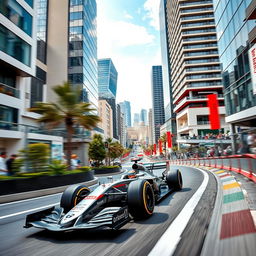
{"points": [[36, 156], [84, 168], [56, 167]]}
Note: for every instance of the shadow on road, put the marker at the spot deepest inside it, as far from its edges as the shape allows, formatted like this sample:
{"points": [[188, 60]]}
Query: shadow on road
{"points": [[83, 236]]}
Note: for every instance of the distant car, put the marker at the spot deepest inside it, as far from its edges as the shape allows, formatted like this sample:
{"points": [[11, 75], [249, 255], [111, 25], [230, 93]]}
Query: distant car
{"points": [[110, 205]]}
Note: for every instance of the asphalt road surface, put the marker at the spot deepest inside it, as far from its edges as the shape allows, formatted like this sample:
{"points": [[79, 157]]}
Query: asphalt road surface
{"points": [[135, 238]]}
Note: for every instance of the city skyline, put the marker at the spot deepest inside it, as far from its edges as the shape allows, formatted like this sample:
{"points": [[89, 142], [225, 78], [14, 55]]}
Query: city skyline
{"points": [[128, 33]]}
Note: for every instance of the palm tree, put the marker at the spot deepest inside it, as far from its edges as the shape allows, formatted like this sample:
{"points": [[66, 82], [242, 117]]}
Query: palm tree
{"points": [[67, 110], [163, 138]]}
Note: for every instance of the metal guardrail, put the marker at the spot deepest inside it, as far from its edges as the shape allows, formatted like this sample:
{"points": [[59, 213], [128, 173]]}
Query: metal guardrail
{"points": [[244, 164]]}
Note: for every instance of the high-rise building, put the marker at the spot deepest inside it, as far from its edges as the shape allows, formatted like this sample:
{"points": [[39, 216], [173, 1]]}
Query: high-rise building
{"points": [[126, 109], [235, 23], [136, 119], [195, 69], [170, 115], [107, 78], [83, 68], [158, 101], [107, 82], [106, 115], [150, 127], [144, 116]]}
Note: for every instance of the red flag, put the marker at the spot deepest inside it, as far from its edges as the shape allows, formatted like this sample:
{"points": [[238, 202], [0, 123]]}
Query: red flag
{"points": [[154, 149], [169, 139], [160, 146], [214, 111]]}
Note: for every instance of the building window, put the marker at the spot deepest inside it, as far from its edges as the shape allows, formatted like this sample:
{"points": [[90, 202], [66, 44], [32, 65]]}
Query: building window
{"points": [[76, 15], [75, 61], [30, 2], [8, 114], [36, 91], [14, 46], [17, 14], [202, 120], [76, 2]]}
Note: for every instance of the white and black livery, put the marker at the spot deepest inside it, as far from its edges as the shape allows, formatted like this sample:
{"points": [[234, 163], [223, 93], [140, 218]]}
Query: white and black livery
{"points": [[109, 205]]}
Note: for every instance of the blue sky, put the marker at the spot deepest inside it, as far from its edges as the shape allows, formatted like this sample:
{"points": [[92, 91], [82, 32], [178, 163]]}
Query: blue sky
{"points": [[128, 33]]}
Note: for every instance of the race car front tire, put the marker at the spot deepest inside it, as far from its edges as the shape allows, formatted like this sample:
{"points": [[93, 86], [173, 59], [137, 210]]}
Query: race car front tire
{"points": [[141, 199], [174, 180], [72, 196]]}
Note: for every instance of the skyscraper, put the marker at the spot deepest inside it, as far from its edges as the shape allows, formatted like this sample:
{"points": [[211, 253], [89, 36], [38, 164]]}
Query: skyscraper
{"points": [[170, 115], [136, 119], [126, 109], [236, 40], [83, 71], [107, 78], [144, 116], [158, 101], [194, 66], [107, 81]]}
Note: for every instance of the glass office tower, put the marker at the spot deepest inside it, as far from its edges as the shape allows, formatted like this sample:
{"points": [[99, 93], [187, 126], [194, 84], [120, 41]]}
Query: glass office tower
{"points": [[83, 70], [158, 101], [236, 36]]}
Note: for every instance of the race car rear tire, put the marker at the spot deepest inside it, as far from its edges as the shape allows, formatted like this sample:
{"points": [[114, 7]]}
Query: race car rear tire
{"points": [[141, 199], [174, 180], [72, 196]]}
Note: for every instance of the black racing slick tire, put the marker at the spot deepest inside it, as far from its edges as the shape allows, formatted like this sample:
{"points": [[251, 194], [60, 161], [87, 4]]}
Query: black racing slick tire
{"points": [[141, 199], [174, 180], [72, 196]]}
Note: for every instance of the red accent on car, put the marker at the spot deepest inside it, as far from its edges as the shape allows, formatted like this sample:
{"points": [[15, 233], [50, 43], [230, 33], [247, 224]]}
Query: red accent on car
{"points": [[119, 185], [99, 197]]}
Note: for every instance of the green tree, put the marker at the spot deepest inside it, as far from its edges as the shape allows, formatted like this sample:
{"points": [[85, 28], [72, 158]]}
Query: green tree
{"points": [[115, 150], [36, 156], [68, 110], [97, 150]]}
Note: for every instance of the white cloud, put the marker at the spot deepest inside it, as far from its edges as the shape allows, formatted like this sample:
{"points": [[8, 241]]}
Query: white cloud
{"points": [[127, 16], [119, 34], [152, 12]]}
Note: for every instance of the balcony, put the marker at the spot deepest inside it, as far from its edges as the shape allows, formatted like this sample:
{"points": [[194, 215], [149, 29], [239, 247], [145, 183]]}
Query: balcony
{"points": [[185, 101], [196, 3], [8, 90]]}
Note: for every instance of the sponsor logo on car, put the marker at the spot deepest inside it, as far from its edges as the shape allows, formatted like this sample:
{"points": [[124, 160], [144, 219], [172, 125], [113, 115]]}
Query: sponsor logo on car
{"points": [[123, 215]]}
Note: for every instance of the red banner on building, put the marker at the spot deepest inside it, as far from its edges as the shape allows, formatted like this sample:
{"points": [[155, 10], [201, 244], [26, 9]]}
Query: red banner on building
{"points": [[169, 139], [214, 111], [160, 146], [154, 149]]}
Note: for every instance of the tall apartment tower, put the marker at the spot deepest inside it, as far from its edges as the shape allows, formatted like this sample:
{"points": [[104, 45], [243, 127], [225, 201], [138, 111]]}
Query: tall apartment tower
{"points": [[126, 109], [136, 119], [107, 84], [235, 23], [194, 66], [170, 115], [157, 100]]}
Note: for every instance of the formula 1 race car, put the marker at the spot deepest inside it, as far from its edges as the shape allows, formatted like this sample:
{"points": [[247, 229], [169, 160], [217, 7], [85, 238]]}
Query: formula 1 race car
{"points": [[109, 205]]}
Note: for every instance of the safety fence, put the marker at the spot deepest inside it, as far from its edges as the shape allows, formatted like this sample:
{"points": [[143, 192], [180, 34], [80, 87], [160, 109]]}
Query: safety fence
{"points": [[244, 164]]}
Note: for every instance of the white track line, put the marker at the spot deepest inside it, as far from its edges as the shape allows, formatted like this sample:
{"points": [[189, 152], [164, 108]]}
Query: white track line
{"points": [[27, 211], [168, 242]]}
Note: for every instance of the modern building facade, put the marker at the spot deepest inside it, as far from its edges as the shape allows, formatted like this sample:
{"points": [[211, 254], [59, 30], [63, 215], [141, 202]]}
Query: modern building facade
{"points": [[157, 100], [235, 23], [107, 84], [136, 119], [170, 115], [144, 116], [21, 77], [106, 115], [83, 68], [126, 109], [121, 126], [195, 68], [150, 127]]}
